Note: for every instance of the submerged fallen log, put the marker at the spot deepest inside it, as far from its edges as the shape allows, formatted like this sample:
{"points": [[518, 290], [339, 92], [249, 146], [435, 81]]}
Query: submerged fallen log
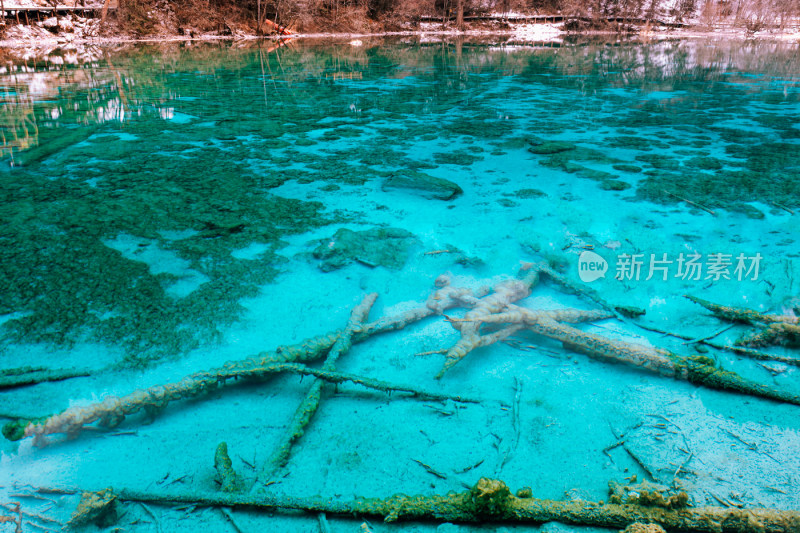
{"points": [[491, 501], [308, 406], [277, 28], [503, 295], [487, 306], [774, 329], [553, 324], [112, 410]]}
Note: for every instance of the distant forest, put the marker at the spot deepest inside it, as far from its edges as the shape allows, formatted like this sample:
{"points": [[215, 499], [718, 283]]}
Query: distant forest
{"points": [[145, 16], [753, 15]]}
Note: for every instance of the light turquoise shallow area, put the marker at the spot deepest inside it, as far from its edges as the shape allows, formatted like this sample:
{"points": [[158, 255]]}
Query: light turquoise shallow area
{"points": [[166, 209]]}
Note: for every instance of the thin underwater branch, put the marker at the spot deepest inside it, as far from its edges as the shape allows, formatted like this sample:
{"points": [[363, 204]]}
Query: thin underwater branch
{"points": [[308, 406]]}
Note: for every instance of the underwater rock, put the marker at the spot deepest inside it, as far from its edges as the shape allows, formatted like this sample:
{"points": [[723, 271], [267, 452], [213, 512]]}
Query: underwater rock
{"points": [[423, 185], [567, 160], [99, 508], [622, 167], [387, 247], [529, 193], [597, 175], [551, 147], [748, 210], [614, 185], [632, 142], [460, 157]]}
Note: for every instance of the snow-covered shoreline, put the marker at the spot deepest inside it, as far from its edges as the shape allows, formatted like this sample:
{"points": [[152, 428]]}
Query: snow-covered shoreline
{"points": [[77, 31]]}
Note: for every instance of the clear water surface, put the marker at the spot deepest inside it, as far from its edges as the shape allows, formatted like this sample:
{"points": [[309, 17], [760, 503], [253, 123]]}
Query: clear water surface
{"points": [[169, 208]]}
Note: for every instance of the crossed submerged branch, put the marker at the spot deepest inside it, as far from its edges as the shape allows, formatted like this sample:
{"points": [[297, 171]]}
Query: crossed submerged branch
{"points": [[113, 410], [487, 306], [497, 308], [492, 315]]}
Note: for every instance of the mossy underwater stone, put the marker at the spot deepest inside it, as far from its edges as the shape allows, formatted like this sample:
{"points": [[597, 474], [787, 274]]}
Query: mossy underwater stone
{"points": [[529, 193], [748, 210], [662, 162], [424, 185], [614, 185], [387, 247], [622, 167], [550, 147]]}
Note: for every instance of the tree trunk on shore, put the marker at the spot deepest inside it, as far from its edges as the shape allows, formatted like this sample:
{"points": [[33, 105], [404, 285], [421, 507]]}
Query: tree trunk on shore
{"points": [[460, 15], [105, 11]]}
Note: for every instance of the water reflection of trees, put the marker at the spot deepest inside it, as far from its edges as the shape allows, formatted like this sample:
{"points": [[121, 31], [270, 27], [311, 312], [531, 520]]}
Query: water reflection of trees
{"points": [[44, 96]]}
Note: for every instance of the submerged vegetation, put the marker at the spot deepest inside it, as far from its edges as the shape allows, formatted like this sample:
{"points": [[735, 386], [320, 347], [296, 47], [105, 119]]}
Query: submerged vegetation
{"points": [[142, 205]]}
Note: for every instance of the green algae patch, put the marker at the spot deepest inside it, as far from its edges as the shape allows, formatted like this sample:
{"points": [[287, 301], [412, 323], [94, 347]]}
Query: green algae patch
{"points": [[76, 251], [227, 477], [704, 163], [386, 247], [722, 189], [459, 157]]}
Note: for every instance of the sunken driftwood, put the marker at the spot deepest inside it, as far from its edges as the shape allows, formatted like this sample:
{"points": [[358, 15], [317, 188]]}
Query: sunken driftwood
{"points": [[497, 308], [773, 329], [113, 410], [487, 305], [308, 406], [491, 501]]}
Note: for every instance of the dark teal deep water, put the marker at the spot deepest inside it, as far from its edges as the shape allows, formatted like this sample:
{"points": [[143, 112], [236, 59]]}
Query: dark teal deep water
{"points": [[166, 209]]}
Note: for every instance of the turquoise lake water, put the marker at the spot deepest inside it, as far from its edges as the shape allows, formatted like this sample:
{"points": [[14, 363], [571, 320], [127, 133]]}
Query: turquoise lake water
{"points": [[170, 208]]}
